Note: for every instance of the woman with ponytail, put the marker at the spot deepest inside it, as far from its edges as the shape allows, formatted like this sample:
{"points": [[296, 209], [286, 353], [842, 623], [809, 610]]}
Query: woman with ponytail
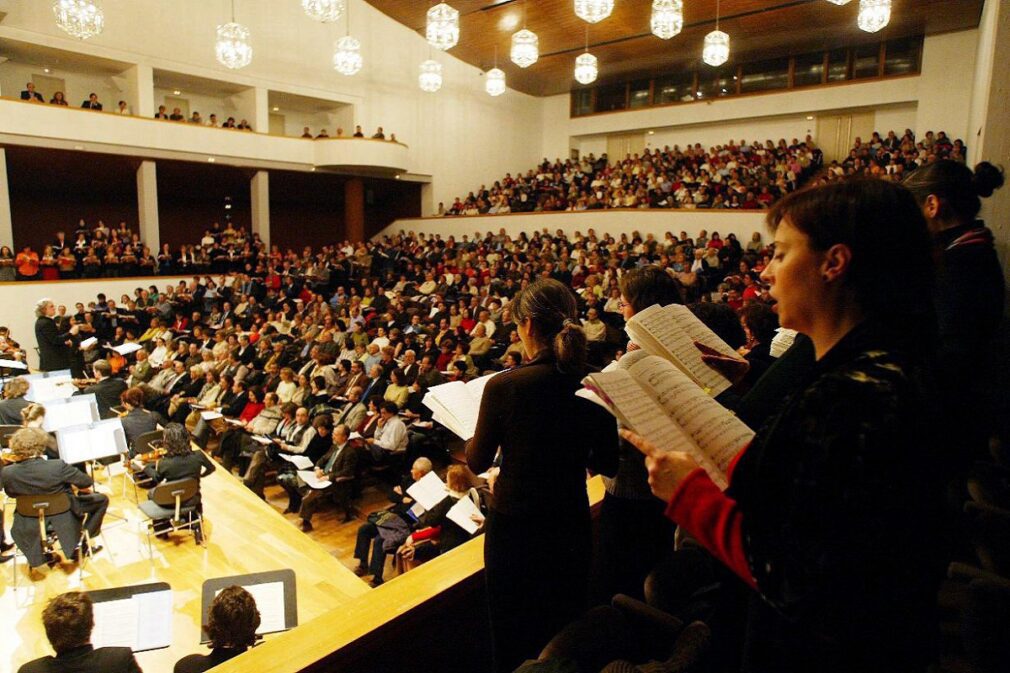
{"points": [[537, 545]]}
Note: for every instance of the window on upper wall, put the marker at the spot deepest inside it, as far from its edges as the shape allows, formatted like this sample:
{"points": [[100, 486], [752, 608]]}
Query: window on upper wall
{"points": [[712, 82], [582, 102], [725, 83], [809, 70], [765, 75], [838, 65], [902, 56], [866, 61], [674, 89], [612, 97], [639, 96]]}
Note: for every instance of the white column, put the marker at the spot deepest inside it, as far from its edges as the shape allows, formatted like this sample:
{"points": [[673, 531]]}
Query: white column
{"points": [[140, 79], [6, 223], [147, 205], [261, 115], [259, 188]]}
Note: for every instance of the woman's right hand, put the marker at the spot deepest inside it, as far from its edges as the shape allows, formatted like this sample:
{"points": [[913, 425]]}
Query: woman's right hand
{"points": [[667, 469]]}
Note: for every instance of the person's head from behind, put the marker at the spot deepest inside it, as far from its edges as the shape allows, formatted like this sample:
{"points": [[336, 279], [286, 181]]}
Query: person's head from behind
{"points": [[950, 193], [645, 286], [835, 259], [233, 619], [546, 316], [759, 322], [176, 439], [68, 620], [421, 467], [458, 479], [28, 443], [33, 415], [16, 388]]}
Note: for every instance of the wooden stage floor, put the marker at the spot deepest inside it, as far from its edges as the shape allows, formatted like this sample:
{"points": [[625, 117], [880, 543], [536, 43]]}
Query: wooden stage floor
{"points": [[244, 535]]}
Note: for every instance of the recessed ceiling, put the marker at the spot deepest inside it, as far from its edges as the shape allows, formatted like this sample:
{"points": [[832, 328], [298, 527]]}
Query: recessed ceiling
{"points": [[290, 102], [191, 84], [40, 56], [626, 49]]}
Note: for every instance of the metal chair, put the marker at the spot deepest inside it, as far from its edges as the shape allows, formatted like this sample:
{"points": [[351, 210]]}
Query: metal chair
{"points": [[147, 442], [166, 503], [39, 507]]}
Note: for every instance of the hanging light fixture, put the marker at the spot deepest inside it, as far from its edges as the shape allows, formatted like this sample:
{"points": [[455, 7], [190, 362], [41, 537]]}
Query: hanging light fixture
{"points": [[586, 68], [839, 2], [874, 14], [232, 48], [442, 28], [667, 18], [525, 46], [79, 18], [430, 79], [593, 11], [495, 82], [716, 51], [347, 52], [326, 11]]}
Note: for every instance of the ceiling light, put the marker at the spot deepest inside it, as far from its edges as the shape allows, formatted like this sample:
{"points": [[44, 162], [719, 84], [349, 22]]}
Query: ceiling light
{"points": [[874, 14], [839, 2], [652, 133], [275, 108], [508, 22], [593, 11], [46, 70], [525, 48], [347, 56], [176, 92], [79, 18], [325, 11], [430, 78], [586, 68], [232, 48], [211, 159], [495, 82], [716, 51], [810, 118], [442, 27], [667, 18]]}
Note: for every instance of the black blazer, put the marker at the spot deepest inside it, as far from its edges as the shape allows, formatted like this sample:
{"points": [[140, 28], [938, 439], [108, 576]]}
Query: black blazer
{"points": [[86, 659], [344, 466], [136, 423], [54, 353], [198, 663], [172, 468], [106, 392], [32, 95], [10, 410], [548, 438]]}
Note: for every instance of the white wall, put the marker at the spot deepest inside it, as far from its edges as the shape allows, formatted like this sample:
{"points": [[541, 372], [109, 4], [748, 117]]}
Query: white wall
{"points": [[945, 86], [222, 106], [20, 297], [79, 86]]}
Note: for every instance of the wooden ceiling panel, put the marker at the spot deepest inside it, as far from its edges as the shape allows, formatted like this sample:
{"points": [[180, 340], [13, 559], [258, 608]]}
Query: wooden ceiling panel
{"points": [[626, 49]]}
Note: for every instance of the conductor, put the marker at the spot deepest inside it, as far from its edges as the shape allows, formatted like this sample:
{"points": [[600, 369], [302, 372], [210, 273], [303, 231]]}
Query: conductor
{"points": [[55, 347]]}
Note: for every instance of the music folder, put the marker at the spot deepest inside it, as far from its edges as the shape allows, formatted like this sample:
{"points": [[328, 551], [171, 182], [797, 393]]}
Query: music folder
{"points": [[275, 594], [91, 441], [138, 617], [76, 410]]}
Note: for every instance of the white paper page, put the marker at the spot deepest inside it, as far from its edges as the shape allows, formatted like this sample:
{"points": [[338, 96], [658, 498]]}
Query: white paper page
{"points": [[72, 413], [312, 481], [262, 440], [108, 438], [460, 514], [88, 343], [233, 421], [53, 388], [269, 598], [74, 444], [154, 629], [211, 415], [428, 491], [454, 402], [354, 435], [301, 462], [699, 331], [115, 624], [127, 348], [13, 364], [417, 511], [676, 345]]}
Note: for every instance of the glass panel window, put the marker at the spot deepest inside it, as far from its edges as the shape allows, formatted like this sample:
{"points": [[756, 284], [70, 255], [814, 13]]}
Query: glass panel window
{"points": [[725, 83], [838, 65], [709, 83], [582, 102], [809, 69], [674, 89], [902, 56], [765, 75], [611, 97], [866, 61], [639, 94]]}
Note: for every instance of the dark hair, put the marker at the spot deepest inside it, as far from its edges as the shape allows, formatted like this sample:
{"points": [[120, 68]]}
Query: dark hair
{"points": [[176, 439], [721, 319], [323, 420], [761, 320], [68, 620], [649, 285], [233, 618], [553, 314], [956, 186], [874, 219], [390, 407]]}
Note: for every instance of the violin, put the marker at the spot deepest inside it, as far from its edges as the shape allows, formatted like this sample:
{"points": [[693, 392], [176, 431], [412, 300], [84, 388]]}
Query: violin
{"points": [[151, 456]]}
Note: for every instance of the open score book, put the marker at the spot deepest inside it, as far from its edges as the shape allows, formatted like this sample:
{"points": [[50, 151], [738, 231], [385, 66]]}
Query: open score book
{"points": [[660, 402], [456, 405], [670, 332]]}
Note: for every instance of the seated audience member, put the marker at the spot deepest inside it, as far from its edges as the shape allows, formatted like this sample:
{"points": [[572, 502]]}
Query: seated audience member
{"points": [[107, 390], [320, 443], [177, 115], [137, 421], [58, 99], [306, 133], [122, 108], [231, 624], [379, 135], [323, 134], [180, 462], [338, 466], [30, 94], [92, 102], [162, 112], [68, 620], [358, 132], [32, 474], [390, 439], [195, 118], [293, 435], [14, 401], [238, 441], [387, 529], [436, 533]]}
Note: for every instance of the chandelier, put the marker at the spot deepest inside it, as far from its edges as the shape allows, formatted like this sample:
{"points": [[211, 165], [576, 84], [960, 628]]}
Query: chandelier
{"points": [[442, 30], [586, 68], [716, 51], [667, 18], [79, 18], [326, 11], [593, 11], [233, 49], [430, 79], [347, 56], [874, 14], [495, 83], [525, 48]]}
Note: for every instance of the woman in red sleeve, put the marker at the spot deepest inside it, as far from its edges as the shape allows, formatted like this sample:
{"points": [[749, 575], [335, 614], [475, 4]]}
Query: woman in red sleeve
{"points": [[832, 511]]}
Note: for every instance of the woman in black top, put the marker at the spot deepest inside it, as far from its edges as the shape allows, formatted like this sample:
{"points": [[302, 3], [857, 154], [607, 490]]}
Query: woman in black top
{"points": [[180, 461], [537, 545], [231, 625]]}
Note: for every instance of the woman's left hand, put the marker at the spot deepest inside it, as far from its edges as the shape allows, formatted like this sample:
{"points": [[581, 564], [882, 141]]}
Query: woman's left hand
{"points": [[667, 469]]}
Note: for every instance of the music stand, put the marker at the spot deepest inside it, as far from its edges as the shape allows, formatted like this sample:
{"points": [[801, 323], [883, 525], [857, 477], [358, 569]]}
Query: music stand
{"points": [[275, 594], [138, 616]]}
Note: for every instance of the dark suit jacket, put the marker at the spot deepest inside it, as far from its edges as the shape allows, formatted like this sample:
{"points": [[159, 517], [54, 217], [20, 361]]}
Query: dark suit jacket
{"points": [[106, 392], [93, 106], [198, 663], [172, 468], [54, 353], [138, 422], [26, 95], [10, 410], [86, 659], [345, 464]]}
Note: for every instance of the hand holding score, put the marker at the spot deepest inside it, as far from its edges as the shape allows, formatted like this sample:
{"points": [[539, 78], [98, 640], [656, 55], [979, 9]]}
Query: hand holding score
{"points": [[667, 469], [733, 369]]}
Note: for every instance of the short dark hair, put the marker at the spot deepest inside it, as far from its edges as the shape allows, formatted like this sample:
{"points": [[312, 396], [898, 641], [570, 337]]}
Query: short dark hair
{"points": [[649, 285], [391, 407], [68, 620], [233, 618]]}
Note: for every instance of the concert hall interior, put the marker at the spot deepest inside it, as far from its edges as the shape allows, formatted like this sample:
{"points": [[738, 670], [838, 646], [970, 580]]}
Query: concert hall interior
{"points": [[554, 336]]}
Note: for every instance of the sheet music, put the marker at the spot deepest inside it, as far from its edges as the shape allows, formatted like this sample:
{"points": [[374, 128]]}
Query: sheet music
{"points": [[460, 514], [428, 491], [456, 405], [699, 331], [78, 410], [43, 390], [312, 481], [301, 462], [211, 415], [127, 348], [13, 364], [269, 598], [82, 443], [354, 435], [116, 623], [154, 627], [88, 343], [266, 441]]}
